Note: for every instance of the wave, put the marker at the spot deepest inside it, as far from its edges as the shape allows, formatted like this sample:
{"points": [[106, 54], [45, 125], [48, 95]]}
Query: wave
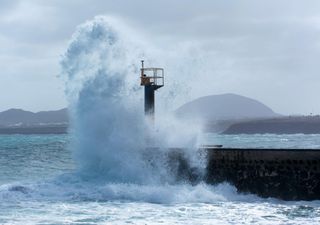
{"points": [[70, 187], [108, 126]]}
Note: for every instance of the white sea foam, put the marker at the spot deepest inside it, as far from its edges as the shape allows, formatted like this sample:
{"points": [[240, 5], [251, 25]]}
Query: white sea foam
{"points": [[72, 188]]}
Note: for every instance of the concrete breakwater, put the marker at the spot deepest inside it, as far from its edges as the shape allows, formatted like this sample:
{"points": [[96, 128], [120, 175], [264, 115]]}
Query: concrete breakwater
{"points": [[289, 174]]}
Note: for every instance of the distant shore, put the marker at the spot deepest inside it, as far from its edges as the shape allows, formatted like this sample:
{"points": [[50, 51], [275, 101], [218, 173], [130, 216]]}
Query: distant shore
{"points": [[35, 130], [282, 125]]}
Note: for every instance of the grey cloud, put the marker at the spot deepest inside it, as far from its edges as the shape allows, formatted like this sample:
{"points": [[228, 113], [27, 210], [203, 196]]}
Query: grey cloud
{"points": [[7, 5], [262, 49]]}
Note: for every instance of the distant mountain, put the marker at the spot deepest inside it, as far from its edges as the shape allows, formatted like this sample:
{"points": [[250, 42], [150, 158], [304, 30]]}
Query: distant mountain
{"points": [[13, 117], [225, 107]]}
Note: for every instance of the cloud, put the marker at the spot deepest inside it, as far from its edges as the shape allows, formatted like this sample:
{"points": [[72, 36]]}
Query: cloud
{"points": [[262, 49]]}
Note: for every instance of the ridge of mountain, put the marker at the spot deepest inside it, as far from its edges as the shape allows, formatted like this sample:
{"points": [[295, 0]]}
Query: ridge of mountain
{"points": [[225, 107], [19, 116]]}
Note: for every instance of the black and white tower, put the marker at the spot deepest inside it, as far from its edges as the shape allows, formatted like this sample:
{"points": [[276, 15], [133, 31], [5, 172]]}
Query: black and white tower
{"points": [[152, 79]]}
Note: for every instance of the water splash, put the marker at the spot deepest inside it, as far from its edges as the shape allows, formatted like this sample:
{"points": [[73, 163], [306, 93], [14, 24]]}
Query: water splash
{"points": [[101, 66]]}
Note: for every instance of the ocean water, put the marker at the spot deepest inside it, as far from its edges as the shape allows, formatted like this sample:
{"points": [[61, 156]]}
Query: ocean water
{"points": [[40, 184]]}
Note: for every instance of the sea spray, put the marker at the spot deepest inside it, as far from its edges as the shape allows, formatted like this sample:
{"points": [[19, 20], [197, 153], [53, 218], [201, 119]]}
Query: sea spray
{"points": [[108, 126], [107, 120]]}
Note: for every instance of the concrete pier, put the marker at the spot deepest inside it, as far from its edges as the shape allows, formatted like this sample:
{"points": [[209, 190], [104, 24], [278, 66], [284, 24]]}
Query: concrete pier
{"points": [[289, 174]]}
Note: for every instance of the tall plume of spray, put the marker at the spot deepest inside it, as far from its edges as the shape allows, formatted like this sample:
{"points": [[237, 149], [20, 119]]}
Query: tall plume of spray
{"points": [[101, 65]]}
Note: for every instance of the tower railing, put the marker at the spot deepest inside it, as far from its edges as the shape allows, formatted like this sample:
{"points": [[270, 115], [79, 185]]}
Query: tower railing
{"points": [[152, 76]]}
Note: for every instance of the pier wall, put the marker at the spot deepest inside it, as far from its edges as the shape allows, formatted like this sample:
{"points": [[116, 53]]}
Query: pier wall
{"points": [[289, 174]]}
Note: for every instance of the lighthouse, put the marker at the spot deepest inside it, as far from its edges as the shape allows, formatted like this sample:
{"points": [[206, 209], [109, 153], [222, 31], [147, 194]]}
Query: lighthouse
{"points": [[152, 79]]}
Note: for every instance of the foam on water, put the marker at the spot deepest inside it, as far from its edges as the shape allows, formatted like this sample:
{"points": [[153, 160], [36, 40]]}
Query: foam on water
{"points": [[70, 188], [70, 199]]}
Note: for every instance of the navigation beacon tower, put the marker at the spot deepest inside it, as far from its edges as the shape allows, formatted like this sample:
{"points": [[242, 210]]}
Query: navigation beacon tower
{"points": [[152, 79]]}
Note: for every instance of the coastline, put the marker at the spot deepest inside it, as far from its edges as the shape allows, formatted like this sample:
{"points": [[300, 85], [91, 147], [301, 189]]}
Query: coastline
{"points": [[61, 129]]}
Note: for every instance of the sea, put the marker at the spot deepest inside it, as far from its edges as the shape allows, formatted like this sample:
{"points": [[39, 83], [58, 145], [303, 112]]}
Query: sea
{"points": [[40, 184]]}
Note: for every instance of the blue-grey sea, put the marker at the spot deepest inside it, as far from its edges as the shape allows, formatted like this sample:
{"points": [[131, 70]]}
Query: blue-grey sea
{"points": [[39, 184]]}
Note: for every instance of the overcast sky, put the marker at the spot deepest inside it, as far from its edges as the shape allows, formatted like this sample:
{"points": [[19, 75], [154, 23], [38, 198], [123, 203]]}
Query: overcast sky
{"points": [[266, 50]]}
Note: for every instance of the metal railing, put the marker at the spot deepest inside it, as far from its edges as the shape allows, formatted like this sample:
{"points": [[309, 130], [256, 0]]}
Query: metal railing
{"points": [[152, 76]]}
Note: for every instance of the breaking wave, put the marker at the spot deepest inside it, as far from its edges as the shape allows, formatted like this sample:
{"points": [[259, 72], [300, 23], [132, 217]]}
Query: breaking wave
{"points": [[113, 161], [101, 65]]}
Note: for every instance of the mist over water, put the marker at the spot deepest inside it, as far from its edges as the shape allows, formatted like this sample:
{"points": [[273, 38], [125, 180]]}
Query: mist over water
{"points": [[108, 126]]}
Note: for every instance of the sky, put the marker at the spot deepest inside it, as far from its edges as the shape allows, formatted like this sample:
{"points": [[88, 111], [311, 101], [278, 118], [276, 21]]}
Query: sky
{"points": [[267, 50]]}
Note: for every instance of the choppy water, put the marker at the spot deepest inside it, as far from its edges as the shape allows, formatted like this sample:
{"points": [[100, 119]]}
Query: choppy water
{"points": [[39, 185]]}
